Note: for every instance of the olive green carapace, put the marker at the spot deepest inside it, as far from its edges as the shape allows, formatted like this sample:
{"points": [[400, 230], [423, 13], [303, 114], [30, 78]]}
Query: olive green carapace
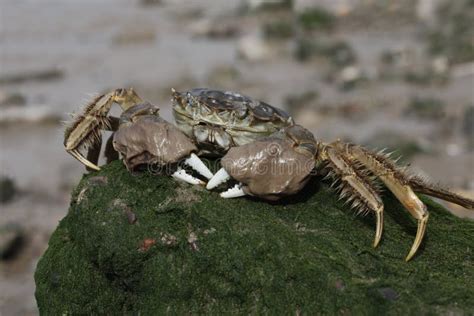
{"points": [[145, 244]]}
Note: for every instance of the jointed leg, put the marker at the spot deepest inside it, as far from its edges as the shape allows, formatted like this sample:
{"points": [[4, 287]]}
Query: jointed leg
{"points": [[397, 182], [85, 127], [422, 186], [354, 186]]}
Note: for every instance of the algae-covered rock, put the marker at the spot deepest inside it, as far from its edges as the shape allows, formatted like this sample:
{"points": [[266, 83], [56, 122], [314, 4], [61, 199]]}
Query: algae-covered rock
{"points": [[145, 244]]}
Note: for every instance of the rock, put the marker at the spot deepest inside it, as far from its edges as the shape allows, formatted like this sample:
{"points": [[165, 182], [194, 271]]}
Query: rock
{"points": [[11, 241], [135, 34], [453, 32], [12, 99], [219, 29], [425, 108], [316, 19], [340, 54], [8, 189], [278, 30], [349, 77], [253, 48], [308, 253]]}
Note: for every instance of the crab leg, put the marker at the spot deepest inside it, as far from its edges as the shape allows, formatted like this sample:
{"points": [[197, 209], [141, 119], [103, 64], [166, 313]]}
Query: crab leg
{"points": [[220, 177], [182, 175], [234, 192], [355, 186], [422, 186], [196, 163], [85, 127], [76, 154], [397, 182]]}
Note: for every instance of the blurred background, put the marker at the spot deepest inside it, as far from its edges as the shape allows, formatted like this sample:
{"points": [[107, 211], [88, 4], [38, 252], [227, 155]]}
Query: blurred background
{"points": [[396, 74]]}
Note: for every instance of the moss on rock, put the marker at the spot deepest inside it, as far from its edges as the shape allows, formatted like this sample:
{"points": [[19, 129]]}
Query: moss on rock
{"points": [[147, 244]]}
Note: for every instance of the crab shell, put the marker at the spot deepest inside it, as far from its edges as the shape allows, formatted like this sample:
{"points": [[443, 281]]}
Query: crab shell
{"points": [[218, 120], [149, 139], [273, 167]]}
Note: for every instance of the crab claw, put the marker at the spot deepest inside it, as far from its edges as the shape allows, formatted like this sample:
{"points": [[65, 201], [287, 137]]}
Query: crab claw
{"points": [[234, 192], [182, 175], [196, 163], [220, 177]]}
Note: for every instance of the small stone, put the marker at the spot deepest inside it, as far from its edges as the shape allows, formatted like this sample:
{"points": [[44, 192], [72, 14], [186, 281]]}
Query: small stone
{"points": [[98, 180], [127, 211], [192, 241], [168, 239], [12, 240], [339, 284], [209, 231], [426, 108], [8, 189], [12, 99], [253, 48], [131, 217], [388, 293], [146, 244], [218, 29], [132, 35]]}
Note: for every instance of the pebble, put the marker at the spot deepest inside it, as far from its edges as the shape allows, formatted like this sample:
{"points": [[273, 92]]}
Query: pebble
{"points": [[253, 48], [8, 189], [388, 293], [11, 241], [12, 99], [214, 29]]}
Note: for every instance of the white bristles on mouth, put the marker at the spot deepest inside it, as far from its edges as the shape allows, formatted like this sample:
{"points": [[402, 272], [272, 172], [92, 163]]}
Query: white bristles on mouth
{"points": [[220, 177], [181, 174], [196, 163], [234, 192]]}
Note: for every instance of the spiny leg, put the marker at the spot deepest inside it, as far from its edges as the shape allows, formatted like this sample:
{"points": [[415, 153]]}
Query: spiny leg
{"points": [[110, 153], [85, 127], [93, 153], [397, 182], [422, 186], [354, 185]]}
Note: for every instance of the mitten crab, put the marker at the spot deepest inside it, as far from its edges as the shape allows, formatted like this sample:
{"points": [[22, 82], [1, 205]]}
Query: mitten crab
{"points": [[263, 150], [140, 136]]}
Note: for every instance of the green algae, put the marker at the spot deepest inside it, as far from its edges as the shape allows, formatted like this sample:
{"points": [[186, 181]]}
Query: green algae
{"points": [[191, 252]]}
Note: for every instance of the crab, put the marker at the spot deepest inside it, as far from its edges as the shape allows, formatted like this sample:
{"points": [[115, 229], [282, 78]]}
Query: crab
{"points": [[209, 121], [140, 135], [264, 151], [280, 165], [218, 120]]}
